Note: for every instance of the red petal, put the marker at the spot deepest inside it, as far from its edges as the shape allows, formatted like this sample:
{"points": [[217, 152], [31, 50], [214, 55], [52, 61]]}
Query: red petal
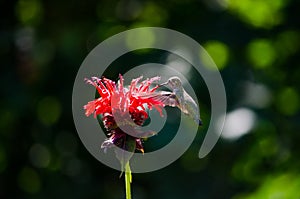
{"points": [[133, 85], [110, 85], [89, 108], [158, 108], [153, 89], [121, 84], [100, 87]]}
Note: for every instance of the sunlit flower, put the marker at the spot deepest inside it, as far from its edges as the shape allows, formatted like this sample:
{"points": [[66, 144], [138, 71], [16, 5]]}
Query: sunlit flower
{"points": [[114, 104]]}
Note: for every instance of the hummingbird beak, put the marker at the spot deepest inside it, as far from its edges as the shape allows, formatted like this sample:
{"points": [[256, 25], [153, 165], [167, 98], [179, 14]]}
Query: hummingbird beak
{"points": [[163, 84]]}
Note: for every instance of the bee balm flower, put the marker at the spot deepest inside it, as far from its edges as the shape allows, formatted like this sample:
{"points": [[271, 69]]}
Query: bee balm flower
{"points": [[114, 104]]}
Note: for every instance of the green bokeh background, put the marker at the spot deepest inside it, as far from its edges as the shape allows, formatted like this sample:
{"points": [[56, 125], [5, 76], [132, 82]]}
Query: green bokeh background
{"points": [[256, 45]]}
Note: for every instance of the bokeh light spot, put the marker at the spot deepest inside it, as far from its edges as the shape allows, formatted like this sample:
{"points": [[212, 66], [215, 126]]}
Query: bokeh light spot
{"points": [[261, 53], [153, 15], [256, 95], [218, 51], [277, 186], [55, 163], [258, 13], [238, 123], [49, 110], [268, 146], [39, 156], [29, 180], [288, 101], [140, 37], [288, 42], [128, 9], [245, 167], [29, 12], [216, 5]]}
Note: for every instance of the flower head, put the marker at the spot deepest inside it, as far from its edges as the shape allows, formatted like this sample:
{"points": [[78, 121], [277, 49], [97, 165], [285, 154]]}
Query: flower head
{"points": [[123, 110]]}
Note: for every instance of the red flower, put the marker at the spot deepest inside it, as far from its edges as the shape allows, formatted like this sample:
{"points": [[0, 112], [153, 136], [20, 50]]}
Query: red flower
{"points": [[114, 104]]}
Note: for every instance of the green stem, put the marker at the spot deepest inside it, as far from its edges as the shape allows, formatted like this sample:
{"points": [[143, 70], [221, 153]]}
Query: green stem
{"points": [[128, 180]]}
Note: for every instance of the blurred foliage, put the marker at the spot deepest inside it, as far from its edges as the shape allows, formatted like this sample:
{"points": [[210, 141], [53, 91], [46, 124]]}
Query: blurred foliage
{"points": [[255, 44]]}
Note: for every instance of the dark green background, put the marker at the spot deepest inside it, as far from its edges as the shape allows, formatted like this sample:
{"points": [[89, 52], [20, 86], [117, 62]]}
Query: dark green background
{"points": [[253, 42]]}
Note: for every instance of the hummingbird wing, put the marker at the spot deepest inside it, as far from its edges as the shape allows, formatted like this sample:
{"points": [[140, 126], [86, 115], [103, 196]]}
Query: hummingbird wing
{"points": [[165, 97]]}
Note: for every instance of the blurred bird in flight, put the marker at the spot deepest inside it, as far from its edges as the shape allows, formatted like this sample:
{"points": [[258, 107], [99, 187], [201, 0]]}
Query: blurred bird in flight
{"points": [[178, 97]]}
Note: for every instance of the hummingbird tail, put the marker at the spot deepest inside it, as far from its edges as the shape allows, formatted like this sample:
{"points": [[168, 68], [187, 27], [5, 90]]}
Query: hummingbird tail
{"points": [[200, 122]]}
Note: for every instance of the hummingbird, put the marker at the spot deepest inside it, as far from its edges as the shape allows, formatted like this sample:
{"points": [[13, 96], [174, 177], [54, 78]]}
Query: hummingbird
{"points": [[178, 97]]}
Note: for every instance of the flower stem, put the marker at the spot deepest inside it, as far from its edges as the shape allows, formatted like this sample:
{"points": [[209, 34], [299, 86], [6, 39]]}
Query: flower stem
{"points": [[128, 180]]}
